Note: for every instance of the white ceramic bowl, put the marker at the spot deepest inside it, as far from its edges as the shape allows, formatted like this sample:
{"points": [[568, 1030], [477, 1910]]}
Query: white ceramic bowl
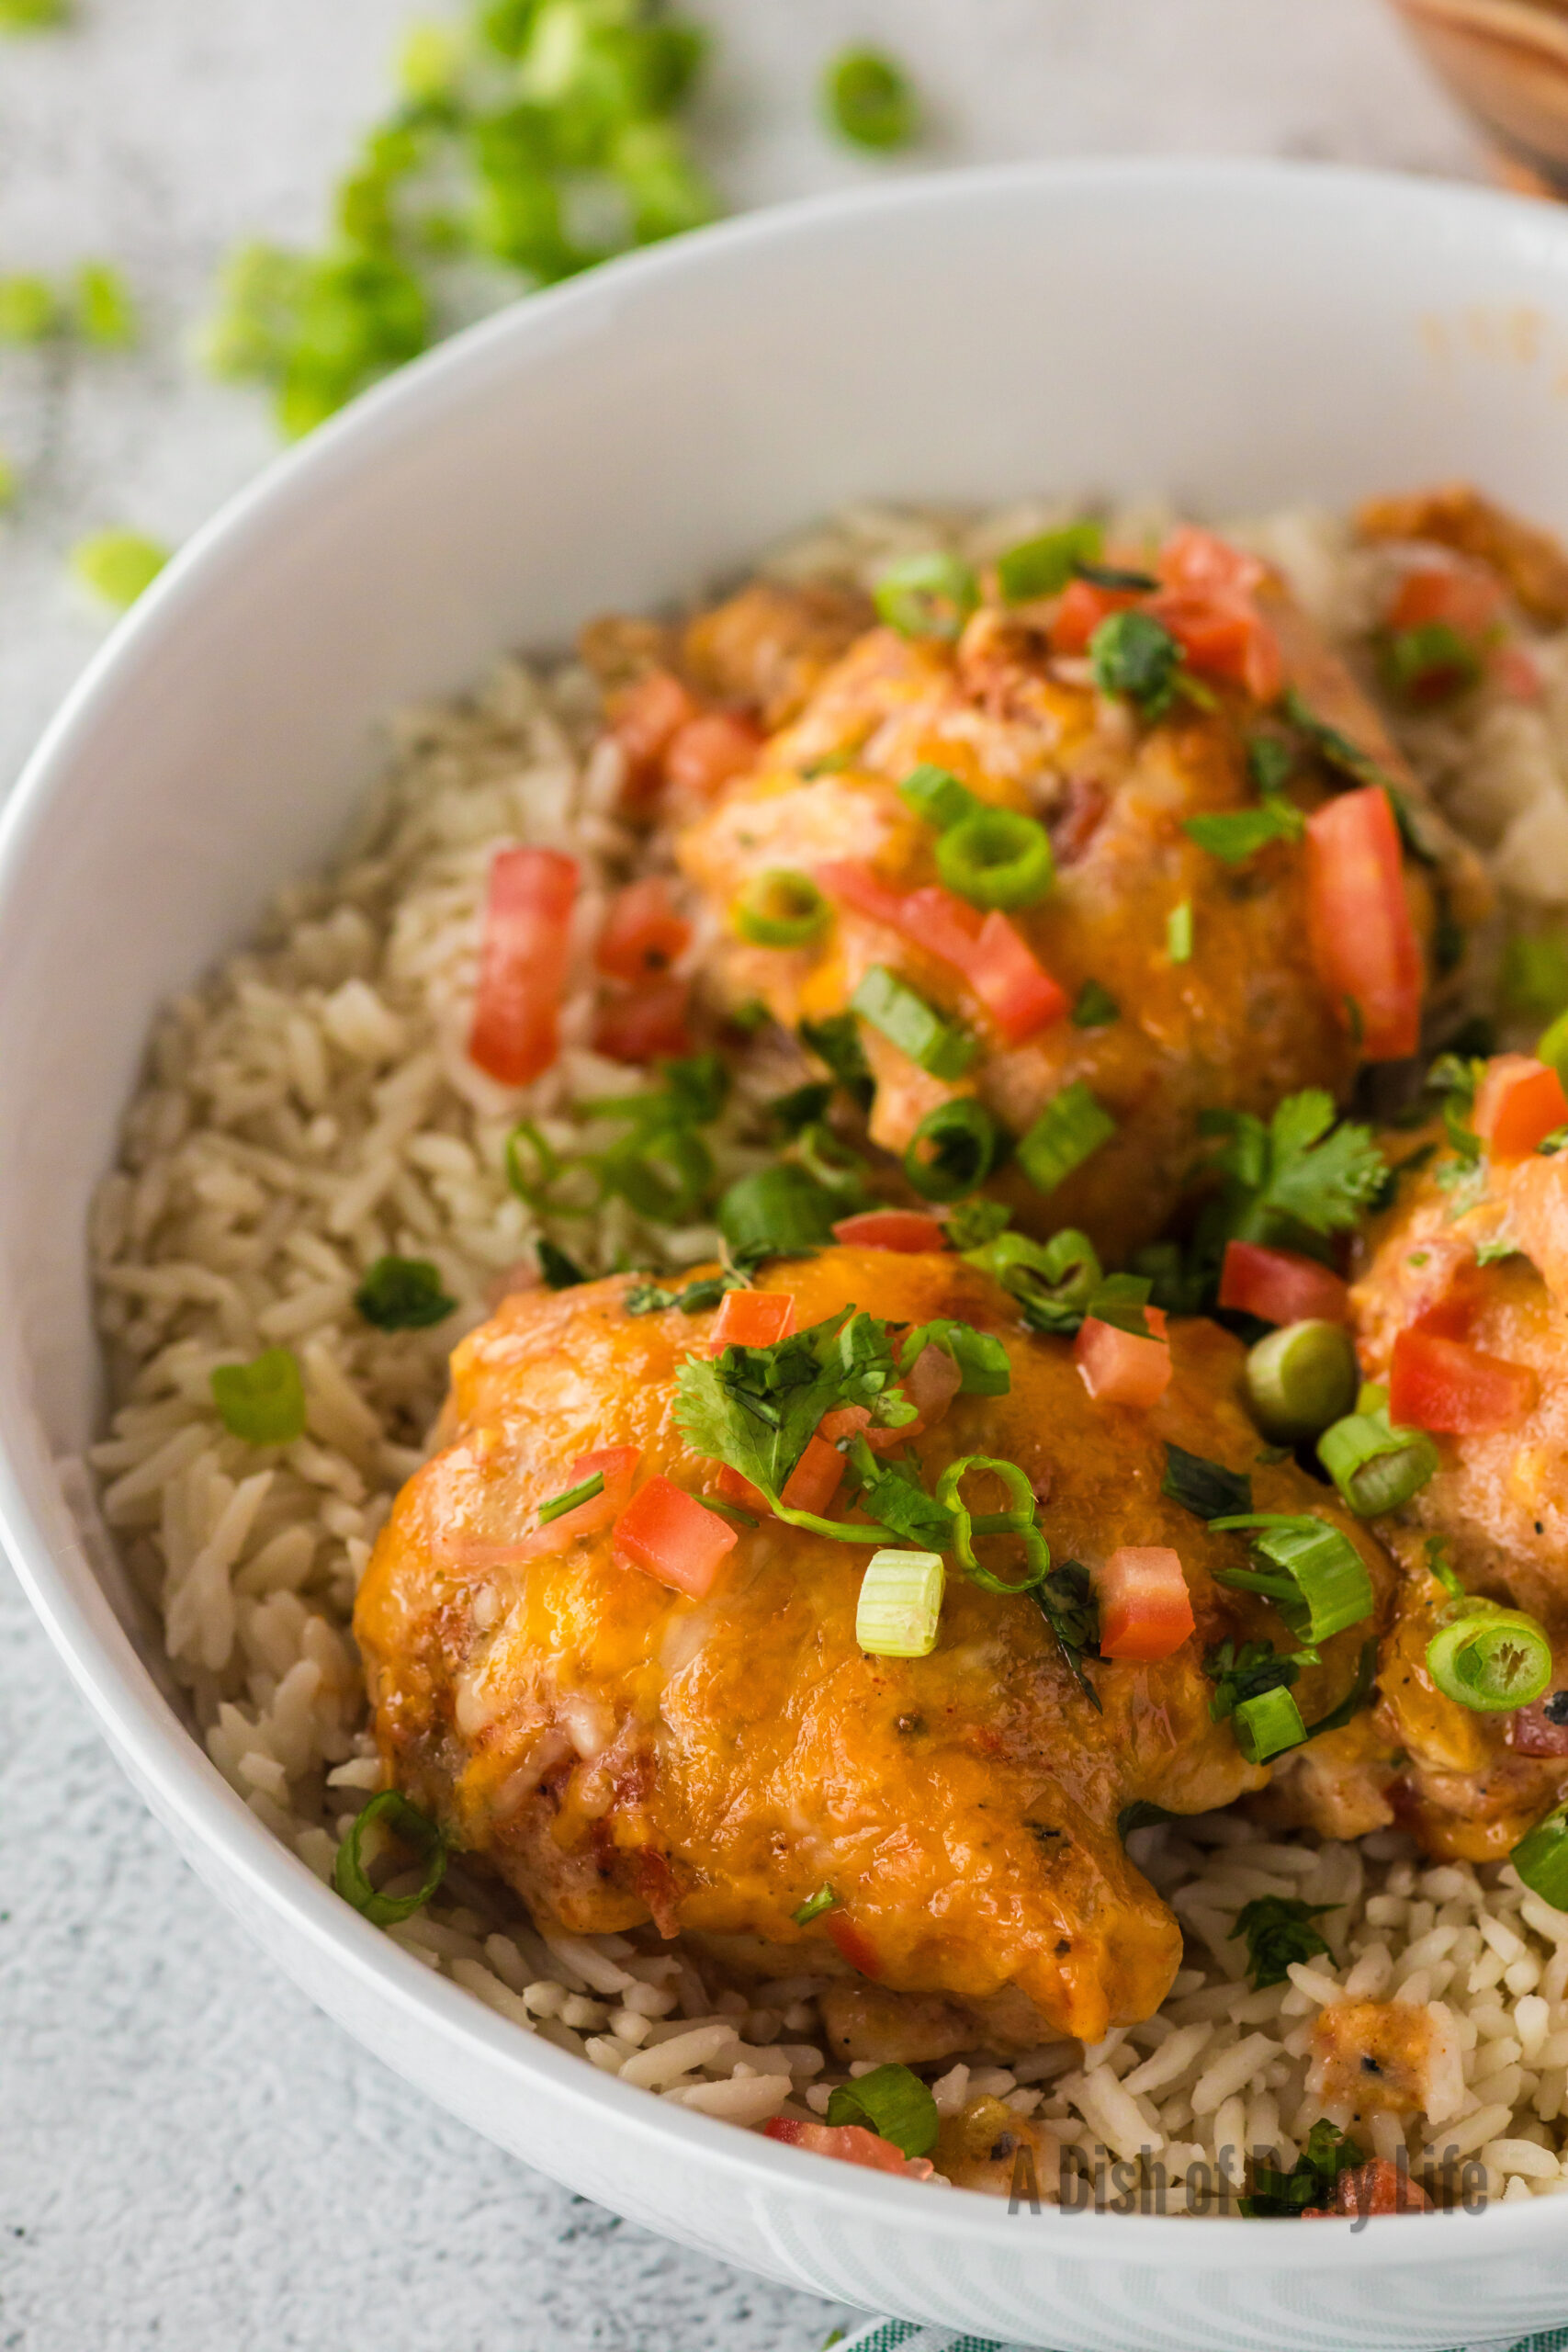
{"points": [[1232, 336]]}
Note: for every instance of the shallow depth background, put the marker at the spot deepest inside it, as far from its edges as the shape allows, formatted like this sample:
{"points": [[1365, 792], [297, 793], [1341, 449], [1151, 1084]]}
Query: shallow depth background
{"points": [[190, 2157]]}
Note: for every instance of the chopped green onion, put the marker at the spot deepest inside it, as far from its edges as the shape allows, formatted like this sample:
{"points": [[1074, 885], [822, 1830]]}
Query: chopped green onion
{"points": [[1205, 1488], [430, 61], [1237, 834], [936, 794], [403, 1294], [1540, 1858], [780, 909], [1178, 933], [584, 1492], [1315, 1577], [29, 310], [1430, 663], [1299, 1378], [869, 100], [262, 1401], [941, 1046], [1134, 655], [927, 595], [1376, 1467], [997, 858], [900, 1604], [1490, 1658], [1054, 1279], [974, 1224], [893, 2102], [1072, 1126], [1095, 1007], [1551, 1046], [32, 16], [117, 565], [664, 1174], [814, 1906], [1043, 566], [1017, 1521], [559, 1270], [1535, 973], [104, 312], [1267, 1725], [782, 1209], [952, 1150], [416, 1829]]}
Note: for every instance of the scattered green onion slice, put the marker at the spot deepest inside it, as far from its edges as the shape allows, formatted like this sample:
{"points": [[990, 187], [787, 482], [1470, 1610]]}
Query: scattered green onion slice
{"points": [[1178, 933], [1535, 973], [1267, 1725], [1072, 1126], [29, 310], [104, 312], [936, 794], [1551, 1046], [403, 1294], [415, 1829], [893, 2102], [1043, 566], [1490, 1658], [927, 595], [942, 1048], [782, 1210], [1017, 1521], [1540, 1858], [997, 858], [870, 100], [1095, 1007], [900, 1604], [262, 1401], [814, 1906], [1299, 1378], [118, 566], [559, 1505], [780, 909], [952, 1150], [1376, 1467], [1055, 1279], [1315, 1577]]}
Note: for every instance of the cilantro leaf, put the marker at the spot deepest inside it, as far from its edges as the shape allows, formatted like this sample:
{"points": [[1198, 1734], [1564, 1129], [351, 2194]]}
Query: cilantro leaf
{"points": [[1299, 1174], [1068, 1601], [1279, 1932], [1206, 1489], [1236, 834], [1136, 655], [1095, 1007], [559, 1271], [837, 1042]]}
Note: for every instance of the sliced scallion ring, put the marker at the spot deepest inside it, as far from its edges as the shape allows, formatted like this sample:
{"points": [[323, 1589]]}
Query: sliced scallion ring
{"points": [[1299, 1378], [952, 1150], [781, 909], [997, 857], [900, 1604], [1018, 1520], [942, 1048], [1313, 1574], [1267, 1725], [1540, 1858], [927, 595], [1491, 1659], [936, 794], [416, 1829], [1376, 1467]]}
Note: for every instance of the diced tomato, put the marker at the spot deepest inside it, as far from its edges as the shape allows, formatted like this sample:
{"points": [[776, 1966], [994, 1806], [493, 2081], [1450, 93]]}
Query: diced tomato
{"points": [[1145, 1609], [752, 1319], [1082, 608], [813, 1481], [1468, 602], [904, 1229], [1225, 636], [523, 964], [1196, 560], [1363, 942], [1010, 981], [851, 1945], [643, 935], [1518, 1102], [932, 1383], [1516, 670], [731, 1487], [1119, 1367], [645, 1025], [644, 719], [852, 2143], [1437, 1384], [710, 749], [1532, 1732], [1379, 2187], [670, 1535], [1281, 1286], [990, 950]]}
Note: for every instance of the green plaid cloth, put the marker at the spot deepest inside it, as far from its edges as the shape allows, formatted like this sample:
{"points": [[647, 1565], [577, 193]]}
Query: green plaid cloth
{"points": [[890, 2334]]}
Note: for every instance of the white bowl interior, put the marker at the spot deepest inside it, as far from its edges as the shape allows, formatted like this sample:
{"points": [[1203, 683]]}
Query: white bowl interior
{"points": [[1231, 336]]}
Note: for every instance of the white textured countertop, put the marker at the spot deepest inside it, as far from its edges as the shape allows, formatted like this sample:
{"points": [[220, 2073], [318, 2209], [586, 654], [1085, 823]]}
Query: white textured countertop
{"points": [[191, 2157]]}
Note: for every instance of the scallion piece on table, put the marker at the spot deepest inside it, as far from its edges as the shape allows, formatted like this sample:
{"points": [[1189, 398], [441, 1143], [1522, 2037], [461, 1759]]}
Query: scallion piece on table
{"points": [[1376, 1467], [104, 313], [814, 1906], [1072, 1126], [782, 1210], [1299, 1378], [1043, 566], [403, 1294], [416, 1829], [584, 1492], [900, 1604], [997, 857], [1313, 1574], [262, 1401], [28, 310], [941, 1046], [927, 595], [1540, 1858], [893, 2102], [1178, 933], [1267, 1725], [952, 1150], [118, 566], [1489, 1658], [870, 100], [936, 794], [780, 909]]}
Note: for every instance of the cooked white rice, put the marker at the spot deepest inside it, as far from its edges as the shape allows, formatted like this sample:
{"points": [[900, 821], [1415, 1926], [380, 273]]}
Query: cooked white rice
{"points": [[311, 1108]]}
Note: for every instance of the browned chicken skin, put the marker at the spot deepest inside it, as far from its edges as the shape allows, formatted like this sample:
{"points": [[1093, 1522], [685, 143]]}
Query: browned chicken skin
{"points": [[621, 1753]]}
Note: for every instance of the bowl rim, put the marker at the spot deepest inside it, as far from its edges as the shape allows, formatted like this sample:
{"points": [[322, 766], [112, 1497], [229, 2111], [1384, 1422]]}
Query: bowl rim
{"points": [[143, 1730]]}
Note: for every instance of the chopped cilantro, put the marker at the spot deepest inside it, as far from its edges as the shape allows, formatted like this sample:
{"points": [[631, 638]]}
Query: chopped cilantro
{"points": [[1328, 743], [403, 1294], [1269, 764], [1279, 1932], [559, 1271], [1237, 834], [1135, 656], [1068, 1600], [814, 1906], [802, 1107], [1206, 1489], [650, 1298], [1095, 1007], [971, 1224], [1311, 2180], [1298, 1175], [837, 1042]]}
